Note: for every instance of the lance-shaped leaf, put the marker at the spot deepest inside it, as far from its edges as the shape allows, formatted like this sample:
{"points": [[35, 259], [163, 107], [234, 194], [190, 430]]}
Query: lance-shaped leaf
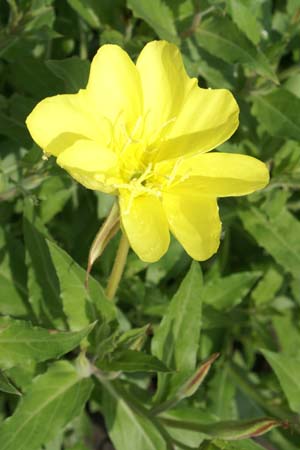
{"points": [[157, 15], [86, 9], [190, 438], [43, 285], [73, 71], [221, 37], [176, 340], [221, 392], [225, 293], [227, 430], [189, 387], [245, 444], [21, 342], [132, 361], [279, 113], [243, 15], [81, 306], [279, 235], [50, 403], [7, 386], [134, 338], [14, 295], [287, 369], [128, 427]]}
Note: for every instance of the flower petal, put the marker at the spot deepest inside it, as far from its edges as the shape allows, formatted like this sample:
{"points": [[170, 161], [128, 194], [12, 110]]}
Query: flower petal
{"points": [[145, 225], [57, 122], [195, 222], [90, 164], [207, 119], [165, 84], [218, 174], [114, 85]]}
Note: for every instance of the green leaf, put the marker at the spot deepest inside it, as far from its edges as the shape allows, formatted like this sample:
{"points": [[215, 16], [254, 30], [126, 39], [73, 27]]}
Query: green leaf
{"points": [[279, 113], [230, 430], [188, 387], [7, 386], [225, 293], [81, 306], [279, 235], [85, 8], [79, 447], [158, 16], [132, 361], [31, 76], [176, 340], [214, 70], [243, 15], [50, 403], [241, 445], [287, 333], [43, 285], [128, 428], [158, 270], [189, 437], [21, 342], [221, 393], [267, 287], [220, 37], [12, 118], [287, 370], [287, 163], [53, 195], [73, 71], [134, 338], [13, 298]]}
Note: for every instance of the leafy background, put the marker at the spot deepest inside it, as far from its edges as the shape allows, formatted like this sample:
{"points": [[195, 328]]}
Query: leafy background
{"points": [[246, 304]]}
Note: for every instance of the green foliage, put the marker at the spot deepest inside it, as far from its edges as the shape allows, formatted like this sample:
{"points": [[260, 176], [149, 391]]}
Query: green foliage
{"points": [[53, 400], [287, 370], [188, 358], [21, 342]]}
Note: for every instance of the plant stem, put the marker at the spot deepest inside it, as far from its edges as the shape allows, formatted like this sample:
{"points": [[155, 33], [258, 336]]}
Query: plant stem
{"points": [[118, 267]]}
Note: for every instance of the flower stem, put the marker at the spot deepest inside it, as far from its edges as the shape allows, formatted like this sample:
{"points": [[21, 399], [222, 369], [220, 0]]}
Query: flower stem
{"points": [[104, 235], [118, 267]]}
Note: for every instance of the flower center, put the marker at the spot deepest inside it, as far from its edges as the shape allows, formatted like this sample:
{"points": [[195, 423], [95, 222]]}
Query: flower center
{"points": [[136, 145]]}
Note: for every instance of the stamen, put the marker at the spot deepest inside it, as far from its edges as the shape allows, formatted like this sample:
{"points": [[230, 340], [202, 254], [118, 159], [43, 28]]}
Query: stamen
{"points": [[146, 174], [154, 147], [136, 187], [127, 211], [173, 174], [163, 126]]}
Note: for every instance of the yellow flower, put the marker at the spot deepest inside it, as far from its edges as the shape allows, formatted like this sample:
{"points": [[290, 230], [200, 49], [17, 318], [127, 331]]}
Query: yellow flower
{"points": [[143, 133]]}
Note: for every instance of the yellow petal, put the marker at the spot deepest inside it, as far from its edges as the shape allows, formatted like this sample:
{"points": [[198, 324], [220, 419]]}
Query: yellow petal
{"points": [[114, 85], [57, 122], [207, 119], [165, 85], [90, 164], [218, 174], [145, 225], [195, 222]]}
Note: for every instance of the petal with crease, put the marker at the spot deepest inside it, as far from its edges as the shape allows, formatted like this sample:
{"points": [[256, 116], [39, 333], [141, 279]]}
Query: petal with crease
{"points": [[195, 222], [207, 119], [165, 84], [57, 122], [93, 166], [114, 85], [217, 174], [145, 224]]}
